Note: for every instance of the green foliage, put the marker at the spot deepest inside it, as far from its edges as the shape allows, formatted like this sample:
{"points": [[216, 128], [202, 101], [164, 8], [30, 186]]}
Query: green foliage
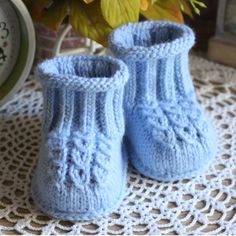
{"points": [[196, 4], [88, 20], [95, 19], [119, 12]]}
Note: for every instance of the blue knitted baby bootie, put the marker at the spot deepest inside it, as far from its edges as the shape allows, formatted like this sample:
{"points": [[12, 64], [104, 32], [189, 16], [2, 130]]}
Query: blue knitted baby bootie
{"points": [[169, 136], [81, 172]]}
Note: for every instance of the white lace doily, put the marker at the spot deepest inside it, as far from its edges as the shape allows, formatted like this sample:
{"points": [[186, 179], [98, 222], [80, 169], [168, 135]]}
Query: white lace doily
{"points": [[204, 205]]}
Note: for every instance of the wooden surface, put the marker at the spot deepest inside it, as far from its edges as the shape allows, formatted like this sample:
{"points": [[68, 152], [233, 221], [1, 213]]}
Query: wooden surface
{"points": [[223, 51]]}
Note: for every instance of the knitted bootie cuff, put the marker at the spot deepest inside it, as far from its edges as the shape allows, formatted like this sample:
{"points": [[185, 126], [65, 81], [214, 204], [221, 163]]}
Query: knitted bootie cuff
{"points": [[142, 41], [83, 73]]}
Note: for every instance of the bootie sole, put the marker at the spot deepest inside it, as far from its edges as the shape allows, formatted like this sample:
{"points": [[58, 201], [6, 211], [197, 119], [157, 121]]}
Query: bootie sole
{"points": [[77, 216], [150, 173]]}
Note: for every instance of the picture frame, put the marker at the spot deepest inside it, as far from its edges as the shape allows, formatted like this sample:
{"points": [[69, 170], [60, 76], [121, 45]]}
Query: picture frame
{"points": [[222, 17], [222, 47]]}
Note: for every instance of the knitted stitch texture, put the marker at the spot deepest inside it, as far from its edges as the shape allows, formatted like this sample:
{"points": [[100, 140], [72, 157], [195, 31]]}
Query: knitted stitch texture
{"points": [[81, 172], [168, 135]]}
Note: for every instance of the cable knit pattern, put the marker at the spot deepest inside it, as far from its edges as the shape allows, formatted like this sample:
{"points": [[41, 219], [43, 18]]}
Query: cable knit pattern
{"points": [[169, 136], [81, 172], [81, 159]]}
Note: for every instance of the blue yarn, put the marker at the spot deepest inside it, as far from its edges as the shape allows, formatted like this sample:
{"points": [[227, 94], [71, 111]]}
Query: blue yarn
{"points": [[169, 136], [81, 172]]}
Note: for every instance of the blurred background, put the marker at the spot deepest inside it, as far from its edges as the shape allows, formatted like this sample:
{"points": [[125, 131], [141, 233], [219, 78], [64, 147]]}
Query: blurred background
{"points": [[65, 27], [212, 20]]}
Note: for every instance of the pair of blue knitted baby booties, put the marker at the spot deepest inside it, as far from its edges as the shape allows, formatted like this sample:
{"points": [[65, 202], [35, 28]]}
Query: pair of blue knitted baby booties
{"points": [[81, 172]]}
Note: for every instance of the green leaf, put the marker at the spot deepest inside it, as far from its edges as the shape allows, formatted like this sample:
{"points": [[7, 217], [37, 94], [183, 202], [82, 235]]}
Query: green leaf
{"points": [[119, 12], [185, 7], [195, 8], [201, 4], [88, 21]]}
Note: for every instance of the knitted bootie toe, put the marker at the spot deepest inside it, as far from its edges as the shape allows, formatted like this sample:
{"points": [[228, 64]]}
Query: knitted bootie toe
{"points": [[169, 136], [81, 172]]}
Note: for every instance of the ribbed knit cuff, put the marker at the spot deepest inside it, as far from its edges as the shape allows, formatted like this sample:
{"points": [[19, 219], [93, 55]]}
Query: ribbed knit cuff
{"points": [[83, 73], [151, 39]]}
